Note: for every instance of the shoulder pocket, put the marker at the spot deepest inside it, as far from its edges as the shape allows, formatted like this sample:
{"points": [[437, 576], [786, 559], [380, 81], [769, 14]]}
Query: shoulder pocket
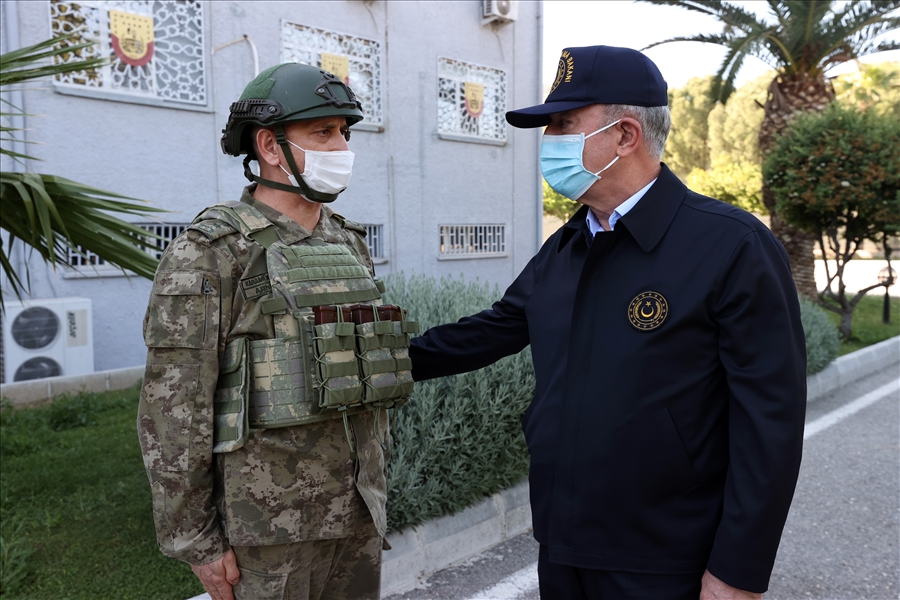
{"points": [[183, 311]]}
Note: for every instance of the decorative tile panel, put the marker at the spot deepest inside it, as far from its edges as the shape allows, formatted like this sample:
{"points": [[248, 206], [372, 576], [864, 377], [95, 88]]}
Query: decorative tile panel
{"points": [[356, 60], [471, 101], [156, 48]]}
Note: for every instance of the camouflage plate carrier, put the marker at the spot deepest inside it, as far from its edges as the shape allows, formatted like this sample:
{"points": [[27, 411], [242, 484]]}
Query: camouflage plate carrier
{"points": [[321, 364]]}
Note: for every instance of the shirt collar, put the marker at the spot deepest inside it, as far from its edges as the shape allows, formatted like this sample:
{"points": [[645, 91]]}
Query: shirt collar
{"points": [[620, 211], [288, 230]]}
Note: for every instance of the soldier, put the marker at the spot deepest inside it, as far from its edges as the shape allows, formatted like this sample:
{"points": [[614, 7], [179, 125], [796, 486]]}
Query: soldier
{"points": [[262, 417]]}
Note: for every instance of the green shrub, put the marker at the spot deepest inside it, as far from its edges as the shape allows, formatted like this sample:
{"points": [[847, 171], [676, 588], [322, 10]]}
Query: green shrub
{"points": [[822, 338], [459, 439]]}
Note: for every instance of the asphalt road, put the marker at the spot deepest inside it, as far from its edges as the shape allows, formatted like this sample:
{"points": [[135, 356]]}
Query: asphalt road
{"points": [[842, 537]]}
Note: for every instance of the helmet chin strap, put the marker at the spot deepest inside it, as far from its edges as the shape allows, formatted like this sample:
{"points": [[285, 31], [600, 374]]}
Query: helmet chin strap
{"points": [[301, 188]]}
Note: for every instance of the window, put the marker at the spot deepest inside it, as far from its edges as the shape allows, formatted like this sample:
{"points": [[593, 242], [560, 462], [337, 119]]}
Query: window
{"points": [[88, 264], [375, 241], [356, 60], [156, 49], [471, 102], [486, 240]]}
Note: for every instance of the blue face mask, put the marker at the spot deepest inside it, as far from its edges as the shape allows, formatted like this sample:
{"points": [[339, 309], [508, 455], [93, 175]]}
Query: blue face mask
{"points": [[562, 165]]}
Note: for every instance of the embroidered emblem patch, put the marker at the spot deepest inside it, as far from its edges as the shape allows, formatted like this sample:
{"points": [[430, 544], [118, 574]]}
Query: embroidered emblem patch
{"points": [[256, 286], [648, 310], [564, 70]]}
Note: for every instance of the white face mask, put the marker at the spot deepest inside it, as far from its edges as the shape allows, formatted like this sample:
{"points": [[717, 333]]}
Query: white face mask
{"points": [[326, 172]]}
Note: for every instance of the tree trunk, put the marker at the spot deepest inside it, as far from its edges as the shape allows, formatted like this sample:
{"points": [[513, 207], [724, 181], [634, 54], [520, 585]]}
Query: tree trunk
{"points": [[789, 96]]}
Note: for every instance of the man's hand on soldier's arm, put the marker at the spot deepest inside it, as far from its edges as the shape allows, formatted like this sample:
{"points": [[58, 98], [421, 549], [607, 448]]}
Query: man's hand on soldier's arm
{"points": [[218, 576], [713, 588]]}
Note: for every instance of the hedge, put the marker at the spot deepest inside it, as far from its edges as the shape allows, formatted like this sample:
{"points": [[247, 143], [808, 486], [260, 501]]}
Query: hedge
{"points": [[823, 342], [459, 438]]}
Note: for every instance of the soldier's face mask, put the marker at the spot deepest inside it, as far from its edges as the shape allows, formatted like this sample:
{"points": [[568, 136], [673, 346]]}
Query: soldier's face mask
{"points": [[562, 163], [326, 172]]}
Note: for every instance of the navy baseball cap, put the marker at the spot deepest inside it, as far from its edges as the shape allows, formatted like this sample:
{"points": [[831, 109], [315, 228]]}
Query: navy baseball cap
{"points": [[596, 75]]}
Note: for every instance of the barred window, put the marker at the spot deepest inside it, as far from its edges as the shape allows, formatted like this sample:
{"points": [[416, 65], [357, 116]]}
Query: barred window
{"points": [[471, 102], [88, 264], [375, 241], [354, 59], [156, 49], [485, 240]]}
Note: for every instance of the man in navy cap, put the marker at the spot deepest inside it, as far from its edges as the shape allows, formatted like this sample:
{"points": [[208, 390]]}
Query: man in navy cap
{"points": [[667, 423]]}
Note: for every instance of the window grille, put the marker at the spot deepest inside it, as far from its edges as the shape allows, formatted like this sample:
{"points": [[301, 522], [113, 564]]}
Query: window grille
{"points": [[156, 49], [89, 264], [354, 59], [473, 241], [375, 241], [471, 102]]}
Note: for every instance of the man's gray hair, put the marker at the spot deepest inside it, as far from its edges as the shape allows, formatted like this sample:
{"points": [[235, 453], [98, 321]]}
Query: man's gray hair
{"points": [[655, 123]]}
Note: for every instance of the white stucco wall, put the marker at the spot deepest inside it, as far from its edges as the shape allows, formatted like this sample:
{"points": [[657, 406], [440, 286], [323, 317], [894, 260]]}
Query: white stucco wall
{"points": [[405, 177]]}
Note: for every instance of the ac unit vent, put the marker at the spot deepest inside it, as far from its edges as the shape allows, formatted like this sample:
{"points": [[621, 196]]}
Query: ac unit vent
{"points": [[37, 368], [35, 327]]}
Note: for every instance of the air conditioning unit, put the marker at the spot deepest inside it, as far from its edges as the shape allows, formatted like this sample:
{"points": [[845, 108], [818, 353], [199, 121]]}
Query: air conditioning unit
{"points": [[501, 11], [46, 338]]}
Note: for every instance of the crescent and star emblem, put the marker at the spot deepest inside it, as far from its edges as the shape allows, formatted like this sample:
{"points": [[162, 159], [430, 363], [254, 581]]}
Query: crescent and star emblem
{"points": [[648, 310]]}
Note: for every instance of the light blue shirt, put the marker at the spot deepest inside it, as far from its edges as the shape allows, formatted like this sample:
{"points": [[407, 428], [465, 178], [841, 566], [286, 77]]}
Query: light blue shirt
{"points": [[620, 211]]}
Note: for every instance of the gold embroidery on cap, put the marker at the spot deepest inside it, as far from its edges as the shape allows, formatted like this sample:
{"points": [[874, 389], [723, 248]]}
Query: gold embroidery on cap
{"points": [[565, 69], [648, 310]]}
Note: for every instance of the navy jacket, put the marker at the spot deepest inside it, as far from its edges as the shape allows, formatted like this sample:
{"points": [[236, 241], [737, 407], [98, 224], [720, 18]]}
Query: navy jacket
{"points": [[666, 428]]}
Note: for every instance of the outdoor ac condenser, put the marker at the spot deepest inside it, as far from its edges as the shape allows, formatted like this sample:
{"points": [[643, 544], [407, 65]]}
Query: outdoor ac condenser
{"points": [[502, 11], [46, 338]]}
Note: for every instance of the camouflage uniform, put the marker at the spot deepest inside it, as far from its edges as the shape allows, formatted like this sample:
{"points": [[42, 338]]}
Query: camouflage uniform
{"points": [[285, 485]]}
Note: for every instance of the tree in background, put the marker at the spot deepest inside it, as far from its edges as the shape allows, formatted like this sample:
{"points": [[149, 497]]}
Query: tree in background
{"points": [[686, 147], [734, 124], [737, 183], [557, 205], [53, 215], [800, 41], [836, 175], [735, 173], [874, 87]]}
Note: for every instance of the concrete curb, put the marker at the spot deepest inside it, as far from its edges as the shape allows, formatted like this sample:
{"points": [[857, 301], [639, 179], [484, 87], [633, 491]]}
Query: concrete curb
{"points": [[40, 391], [417, 552], [851, 367]]}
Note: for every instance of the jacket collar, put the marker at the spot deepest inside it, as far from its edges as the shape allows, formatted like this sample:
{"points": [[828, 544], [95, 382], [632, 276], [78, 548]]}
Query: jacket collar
{"points": [[288, 230], [648, 221]]}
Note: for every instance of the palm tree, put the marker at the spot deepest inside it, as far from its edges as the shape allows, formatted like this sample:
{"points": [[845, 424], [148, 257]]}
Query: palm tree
{"points": [[801, 41], [51, 214]]}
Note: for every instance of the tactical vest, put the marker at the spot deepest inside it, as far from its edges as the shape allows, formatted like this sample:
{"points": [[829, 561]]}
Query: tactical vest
{"points": [[336, 351]]}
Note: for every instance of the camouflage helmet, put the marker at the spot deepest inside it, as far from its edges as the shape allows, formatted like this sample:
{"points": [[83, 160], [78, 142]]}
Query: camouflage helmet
{"points": [[283, 94]]}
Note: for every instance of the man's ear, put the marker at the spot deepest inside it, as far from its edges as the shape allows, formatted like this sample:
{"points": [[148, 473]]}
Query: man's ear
{"points": [[631, 136], [267, 147]]}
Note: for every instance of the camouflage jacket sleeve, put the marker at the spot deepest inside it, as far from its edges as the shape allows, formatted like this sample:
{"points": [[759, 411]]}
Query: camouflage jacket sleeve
{"points": [[187, 321]]}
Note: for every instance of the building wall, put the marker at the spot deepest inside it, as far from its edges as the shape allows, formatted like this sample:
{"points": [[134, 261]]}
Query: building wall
{"points": [[406, 177]]}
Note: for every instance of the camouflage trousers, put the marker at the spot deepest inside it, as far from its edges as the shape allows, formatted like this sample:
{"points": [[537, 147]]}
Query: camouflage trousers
{"points": [[340, 569]]}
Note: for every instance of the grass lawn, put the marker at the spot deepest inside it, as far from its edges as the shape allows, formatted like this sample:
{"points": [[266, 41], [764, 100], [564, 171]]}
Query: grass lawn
{"points": [[75, 510], [868, 328]]}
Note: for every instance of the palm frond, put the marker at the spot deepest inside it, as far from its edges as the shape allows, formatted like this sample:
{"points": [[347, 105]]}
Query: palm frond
{"points": [[53, 214], [730, 14], [717, 39], [24, 64]]}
